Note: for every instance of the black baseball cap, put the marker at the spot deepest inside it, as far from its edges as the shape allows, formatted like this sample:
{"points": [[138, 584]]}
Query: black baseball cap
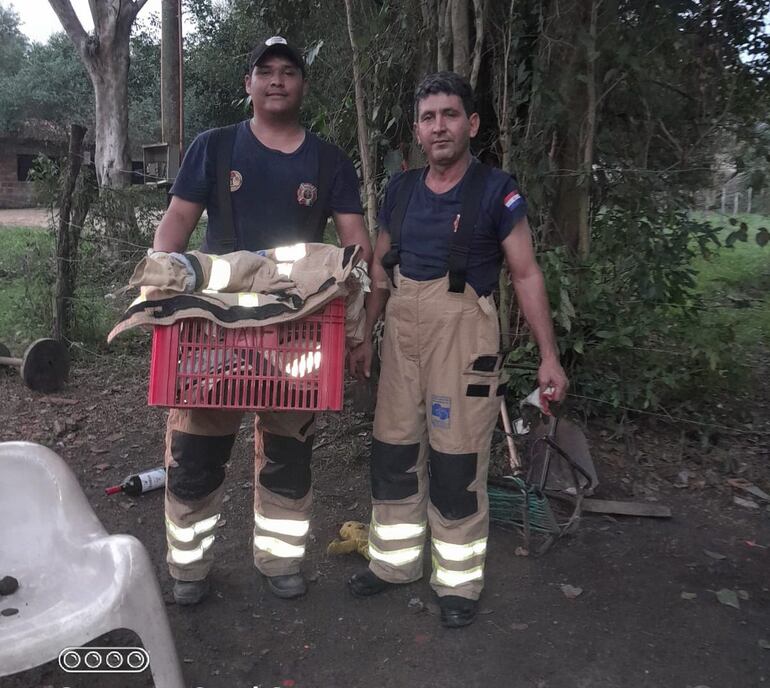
{"points": [[276, 45]]}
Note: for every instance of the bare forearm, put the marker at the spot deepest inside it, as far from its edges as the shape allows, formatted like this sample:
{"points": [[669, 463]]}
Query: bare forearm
{"points": [[177, 225], [533, 301], [375, 305], [378, 297], [170, 236], [351, 230]]}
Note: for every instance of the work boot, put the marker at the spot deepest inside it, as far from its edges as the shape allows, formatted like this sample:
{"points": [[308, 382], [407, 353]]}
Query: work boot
{"points": [[190, 592], [366, 583], [457, 611], [287, 587]]}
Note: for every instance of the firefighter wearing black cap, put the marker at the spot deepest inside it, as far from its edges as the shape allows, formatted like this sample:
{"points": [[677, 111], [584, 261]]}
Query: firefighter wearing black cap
{"points": [[443, 233], [265, 182]]}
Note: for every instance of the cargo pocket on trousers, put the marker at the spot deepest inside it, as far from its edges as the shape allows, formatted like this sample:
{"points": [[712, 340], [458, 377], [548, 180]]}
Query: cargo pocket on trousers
{"points": [[482, 376]]}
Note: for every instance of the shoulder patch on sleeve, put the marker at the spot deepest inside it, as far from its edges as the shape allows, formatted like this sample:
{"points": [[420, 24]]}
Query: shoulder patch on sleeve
{"points": [[513, 200]]}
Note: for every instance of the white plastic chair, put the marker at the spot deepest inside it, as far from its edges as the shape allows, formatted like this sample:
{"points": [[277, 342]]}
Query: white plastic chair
{"points": [[76, 582]]}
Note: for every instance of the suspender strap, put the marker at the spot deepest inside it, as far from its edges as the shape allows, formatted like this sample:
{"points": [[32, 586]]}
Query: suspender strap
{"points": [[393, 257], [319, 211], [469, 214], [224, 141]]}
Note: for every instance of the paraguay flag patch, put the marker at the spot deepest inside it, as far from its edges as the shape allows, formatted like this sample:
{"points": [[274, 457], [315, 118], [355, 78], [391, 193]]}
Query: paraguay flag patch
{"points": [[513, 200]]}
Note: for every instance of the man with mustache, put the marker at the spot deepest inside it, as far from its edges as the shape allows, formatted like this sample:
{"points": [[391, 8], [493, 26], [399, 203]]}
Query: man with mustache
{"points": [[444, 231], [265, 182]]}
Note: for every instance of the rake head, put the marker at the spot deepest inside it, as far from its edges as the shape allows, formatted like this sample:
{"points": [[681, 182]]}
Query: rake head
{"points": [[512, 501]]}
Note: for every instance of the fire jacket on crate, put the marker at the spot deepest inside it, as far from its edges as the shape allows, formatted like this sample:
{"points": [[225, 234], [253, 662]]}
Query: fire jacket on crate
{"points": [[242, 289]]}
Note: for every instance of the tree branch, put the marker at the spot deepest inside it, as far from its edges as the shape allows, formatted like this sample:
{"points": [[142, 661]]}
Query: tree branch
{"points": [[71, 24], [671, 138], [131, 8]]}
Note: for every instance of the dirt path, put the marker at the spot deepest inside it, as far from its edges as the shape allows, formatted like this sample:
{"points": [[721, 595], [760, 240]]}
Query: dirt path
{"points": [[24, 217], [630, 627]]}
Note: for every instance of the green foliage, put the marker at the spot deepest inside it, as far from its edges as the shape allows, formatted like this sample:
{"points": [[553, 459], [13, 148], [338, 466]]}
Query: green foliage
{"points": [[629, 320], [13, 43], [737, 284], [215, 62], [144, 81], [13, 51], [47, 81], [103, 264]]}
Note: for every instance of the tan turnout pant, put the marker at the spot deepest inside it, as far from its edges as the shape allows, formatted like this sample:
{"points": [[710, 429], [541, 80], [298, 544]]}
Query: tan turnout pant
{"points": [[437, 404], [198, 445]]}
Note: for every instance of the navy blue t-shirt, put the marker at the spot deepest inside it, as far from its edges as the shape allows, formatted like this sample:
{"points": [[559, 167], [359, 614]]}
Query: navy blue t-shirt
{"points": [[429, 221], [271, 191]]}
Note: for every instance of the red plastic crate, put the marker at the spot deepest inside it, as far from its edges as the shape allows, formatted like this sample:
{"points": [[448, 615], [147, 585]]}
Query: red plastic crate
{"points": [[296, 365]]}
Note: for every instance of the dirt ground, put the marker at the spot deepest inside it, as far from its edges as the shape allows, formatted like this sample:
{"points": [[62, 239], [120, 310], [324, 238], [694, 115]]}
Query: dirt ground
{"points": [[24, 217], [630, 626]]}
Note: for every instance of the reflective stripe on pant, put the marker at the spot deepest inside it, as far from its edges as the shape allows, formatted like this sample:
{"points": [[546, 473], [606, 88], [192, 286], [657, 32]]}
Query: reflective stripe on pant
{"points": [[198, 445], [283, 494], [437, 405]]}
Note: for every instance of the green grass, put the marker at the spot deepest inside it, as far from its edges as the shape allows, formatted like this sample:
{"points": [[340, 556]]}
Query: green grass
{"points": [[23, 252], [735, 282]]}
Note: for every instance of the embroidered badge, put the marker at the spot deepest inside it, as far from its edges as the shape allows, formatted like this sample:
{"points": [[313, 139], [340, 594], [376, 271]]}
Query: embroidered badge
{"points": [[235, 180], [440, 412], [306, 194]]}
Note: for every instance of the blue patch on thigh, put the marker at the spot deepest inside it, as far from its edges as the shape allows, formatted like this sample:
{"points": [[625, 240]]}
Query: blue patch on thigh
{"points": [[440, 412]]}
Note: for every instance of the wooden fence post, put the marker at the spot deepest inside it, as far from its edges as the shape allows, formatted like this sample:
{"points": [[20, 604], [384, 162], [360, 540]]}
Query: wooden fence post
{"points": [[64, 268]]}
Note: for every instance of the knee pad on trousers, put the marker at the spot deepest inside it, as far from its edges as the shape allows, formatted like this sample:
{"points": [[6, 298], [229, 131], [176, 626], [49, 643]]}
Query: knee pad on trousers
{"points": [[287, 470], [200, 464], [393, 475], [450, 477]]}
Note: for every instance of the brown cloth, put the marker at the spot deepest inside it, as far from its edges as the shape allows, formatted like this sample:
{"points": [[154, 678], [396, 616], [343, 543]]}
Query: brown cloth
{"points": [[247, 289]]}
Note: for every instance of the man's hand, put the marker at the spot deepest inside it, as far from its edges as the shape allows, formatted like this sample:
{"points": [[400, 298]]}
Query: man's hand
{"points": [[552, 381], [360, 360]]}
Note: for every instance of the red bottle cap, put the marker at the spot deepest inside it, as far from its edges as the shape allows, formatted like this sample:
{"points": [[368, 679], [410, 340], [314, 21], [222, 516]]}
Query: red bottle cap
{"points": [[113, 490]]}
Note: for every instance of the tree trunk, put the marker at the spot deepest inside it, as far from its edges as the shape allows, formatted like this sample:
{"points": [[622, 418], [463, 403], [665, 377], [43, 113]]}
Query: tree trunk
{"points": [[363, 129], [444, 56], [479, 14], [570, 29], [501, 98], [460, 38], [426, 59], [589, 134], [170, 71], [64, 286], [105, 54], [113, 161], [503, 107]]}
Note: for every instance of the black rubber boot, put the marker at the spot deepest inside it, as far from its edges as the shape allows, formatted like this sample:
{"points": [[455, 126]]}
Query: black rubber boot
{"points": [[187, 593], [366, 583], [457, 612], [287, 587]]}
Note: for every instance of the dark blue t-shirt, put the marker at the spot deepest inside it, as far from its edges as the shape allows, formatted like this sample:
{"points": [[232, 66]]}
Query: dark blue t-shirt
{"points": [[426, 232], [272, 192]]}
